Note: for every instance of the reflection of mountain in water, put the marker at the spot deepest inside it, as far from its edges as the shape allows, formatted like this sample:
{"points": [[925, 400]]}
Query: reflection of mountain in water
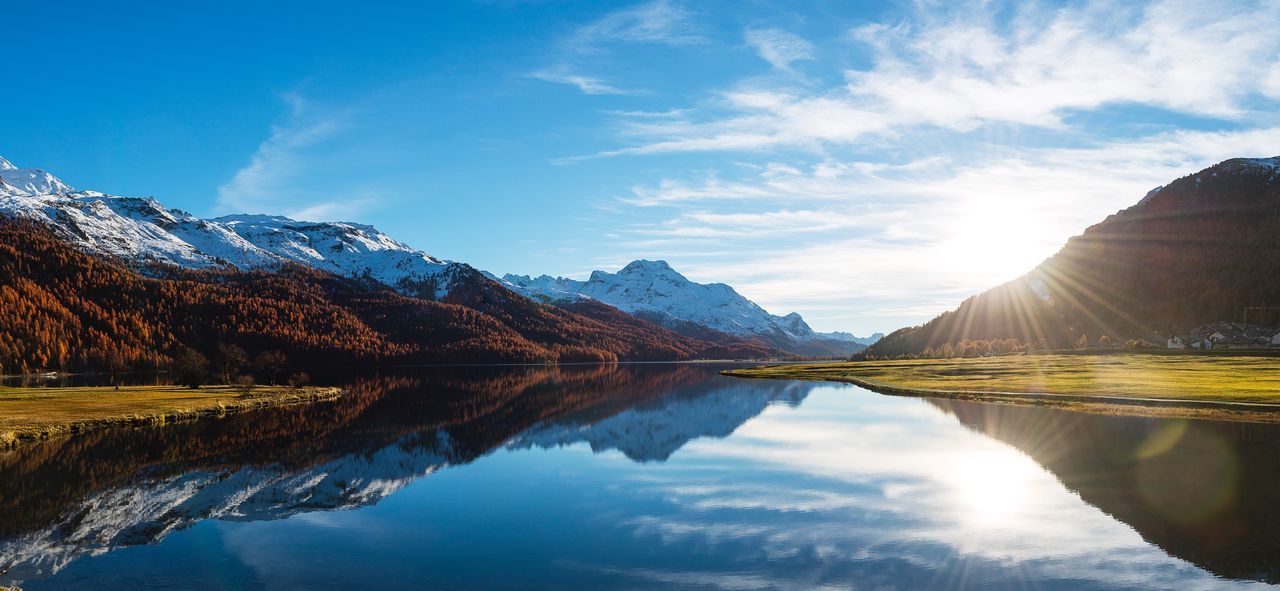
{"points": [[60, 500], [654, 431], [149, 509], [1203, 491]]}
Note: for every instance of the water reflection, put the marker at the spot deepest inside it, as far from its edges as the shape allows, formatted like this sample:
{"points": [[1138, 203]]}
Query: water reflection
{"points": [[1204, 491], [626, 477], [88, 495]]}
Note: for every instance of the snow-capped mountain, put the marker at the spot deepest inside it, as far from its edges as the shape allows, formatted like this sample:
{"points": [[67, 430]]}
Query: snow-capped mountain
{"points": [[652, 289], [144, 230], [28, 181]]}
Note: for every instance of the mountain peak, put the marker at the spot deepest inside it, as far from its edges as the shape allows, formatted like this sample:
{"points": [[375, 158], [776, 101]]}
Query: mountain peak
{"points": [[647, 266], [654, 290], [29, 181]]}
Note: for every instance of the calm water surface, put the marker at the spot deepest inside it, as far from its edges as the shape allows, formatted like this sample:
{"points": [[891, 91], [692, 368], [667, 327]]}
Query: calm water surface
{"points": [[645, 477]]}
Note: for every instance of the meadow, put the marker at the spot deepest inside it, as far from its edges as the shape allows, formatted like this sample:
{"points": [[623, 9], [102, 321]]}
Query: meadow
{"points": [[1110, 382], [39, 413]]}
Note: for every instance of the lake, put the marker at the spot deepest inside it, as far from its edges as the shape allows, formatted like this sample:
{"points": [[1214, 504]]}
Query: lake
{"points": [[644, 477]]}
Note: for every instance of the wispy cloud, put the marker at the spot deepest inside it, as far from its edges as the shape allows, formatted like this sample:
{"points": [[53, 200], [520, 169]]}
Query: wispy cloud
{"points": [[956, 68], [966, 151], [913, 239], [267, 182], [585, 84], [300, 169], [779, 48], [1178, 55], [659, 22]]}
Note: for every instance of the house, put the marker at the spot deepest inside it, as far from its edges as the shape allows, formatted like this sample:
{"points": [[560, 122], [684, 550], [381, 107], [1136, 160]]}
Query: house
{"points": [[1226, 335], [1151, 341]]}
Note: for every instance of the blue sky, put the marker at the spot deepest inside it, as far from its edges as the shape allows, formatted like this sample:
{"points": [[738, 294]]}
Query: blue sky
{"points": [[865, 164]]}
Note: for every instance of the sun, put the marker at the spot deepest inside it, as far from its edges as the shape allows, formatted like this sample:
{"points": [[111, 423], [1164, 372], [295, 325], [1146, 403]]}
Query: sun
{"points": [[995, 239]]}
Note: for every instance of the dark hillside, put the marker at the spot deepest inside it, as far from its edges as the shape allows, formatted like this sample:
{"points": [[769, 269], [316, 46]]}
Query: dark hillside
{"points": [[1196, 251]]}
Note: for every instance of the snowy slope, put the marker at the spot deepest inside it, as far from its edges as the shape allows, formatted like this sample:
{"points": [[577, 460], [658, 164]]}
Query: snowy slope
{"points": [[655, 290], [144, 230]]}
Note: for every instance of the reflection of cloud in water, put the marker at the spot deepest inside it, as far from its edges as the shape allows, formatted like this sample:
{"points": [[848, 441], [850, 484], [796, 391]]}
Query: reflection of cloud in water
{"points": [[737, 485], [893, 500]]}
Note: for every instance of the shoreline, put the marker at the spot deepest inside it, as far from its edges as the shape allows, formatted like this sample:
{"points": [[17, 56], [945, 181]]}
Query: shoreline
{"points": [[29, 415], [1110, 404]]}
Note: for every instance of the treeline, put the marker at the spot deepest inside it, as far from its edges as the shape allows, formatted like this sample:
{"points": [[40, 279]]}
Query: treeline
{"points": [[1196, 252], [64, 310]]}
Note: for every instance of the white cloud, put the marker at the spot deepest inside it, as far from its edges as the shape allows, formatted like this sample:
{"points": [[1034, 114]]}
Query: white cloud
{"points": [[1183, 56], [267, 182], [585, 84], [875, 246], [968, 150], [779, 48], [308, 166], [956, 68], [660, 21], [1272, 87]]}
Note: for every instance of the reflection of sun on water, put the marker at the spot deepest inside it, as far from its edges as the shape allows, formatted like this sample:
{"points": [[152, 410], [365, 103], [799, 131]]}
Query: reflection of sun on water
{"points": [[991, 485]]}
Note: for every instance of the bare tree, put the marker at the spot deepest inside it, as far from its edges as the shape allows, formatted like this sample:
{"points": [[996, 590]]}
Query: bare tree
{"points": [[299, 379], [229, 360], [269, 365], [190, 367]]}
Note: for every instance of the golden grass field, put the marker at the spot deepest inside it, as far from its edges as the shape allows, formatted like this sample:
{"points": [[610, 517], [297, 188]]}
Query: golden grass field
{"points": [[37, 413], [1225, 382]]}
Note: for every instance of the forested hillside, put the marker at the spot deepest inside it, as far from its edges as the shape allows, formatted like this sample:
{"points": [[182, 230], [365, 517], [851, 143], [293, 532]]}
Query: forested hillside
{"points": [[63, 309], [1196, 251]]}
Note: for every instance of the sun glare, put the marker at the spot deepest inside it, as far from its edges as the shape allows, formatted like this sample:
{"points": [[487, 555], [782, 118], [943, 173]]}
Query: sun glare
{"points": [[996, 241], [992, 484]]}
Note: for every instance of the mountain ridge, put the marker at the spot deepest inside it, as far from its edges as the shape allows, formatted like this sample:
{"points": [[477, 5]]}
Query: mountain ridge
{"points": [[141, 229], [654, 290], [144, 232]]}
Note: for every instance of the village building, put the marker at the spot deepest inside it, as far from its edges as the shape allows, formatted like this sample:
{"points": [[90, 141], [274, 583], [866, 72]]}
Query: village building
{"points": [[1226, 335]]}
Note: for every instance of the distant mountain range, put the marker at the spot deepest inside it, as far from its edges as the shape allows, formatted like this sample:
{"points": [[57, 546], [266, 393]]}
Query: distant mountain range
{"points": [[219, 265], [655, 291], [1198, 250]]}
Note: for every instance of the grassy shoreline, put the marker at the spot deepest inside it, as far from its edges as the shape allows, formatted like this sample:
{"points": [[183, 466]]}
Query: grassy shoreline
{"points": [[30, 414], [1222, 388]]}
